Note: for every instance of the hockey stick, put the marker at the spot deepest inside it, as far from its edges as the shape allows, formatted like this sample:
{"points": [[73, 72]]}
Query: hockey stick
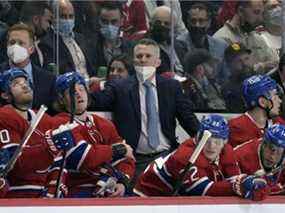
{"points": [[206, 135], [25, 139], [72, 112]]}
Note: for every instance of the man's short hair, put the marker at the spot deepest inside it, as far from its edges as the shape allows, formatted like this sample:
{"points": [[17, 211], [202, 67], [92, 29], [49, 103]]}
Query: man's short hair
{"points": [[195, 58], [33, 8], [201, 5], [149, 42], [110, 5], [24, 27]]}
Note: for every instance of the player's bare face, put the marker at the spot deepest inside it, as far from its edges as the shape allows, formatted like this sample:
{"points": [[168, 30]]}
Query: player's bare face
{"points": [[21, 91], [81, 99], [213, 148], [271, 155], [275, 111]]}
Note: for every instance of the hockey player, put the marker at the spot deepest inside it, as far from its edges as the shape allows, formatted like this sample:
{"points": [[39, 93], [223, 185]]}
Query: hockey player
{"points": [[265, 157], [97, 145], [210, 174], [261, 96], [27, 178]]}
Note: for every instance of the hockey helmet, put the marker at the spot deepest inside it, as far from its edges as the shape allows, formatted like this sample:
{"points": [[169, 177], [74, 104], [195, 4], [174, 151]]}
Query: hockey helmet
{"points": [[8, 76], [64, 81], [257, 86], [216, 124], [275, 134]]}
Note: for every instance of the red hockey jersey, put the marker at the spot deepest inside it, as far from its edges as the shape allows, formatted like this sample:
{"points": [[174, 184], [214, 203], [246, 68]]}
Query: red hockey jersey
{"points": [[248, 157], [93, 139], [27, 179], [243, 128], [204, 178]]}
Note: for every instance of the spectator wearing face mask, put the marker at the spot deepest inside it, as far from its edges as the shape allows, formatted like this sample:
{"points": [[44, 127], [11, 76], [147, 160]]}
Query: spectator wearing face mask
{"points": [[272, 31], [110, 43], [20, 47], [160, 27], [198, 22], [74, 52], [242, 29]]}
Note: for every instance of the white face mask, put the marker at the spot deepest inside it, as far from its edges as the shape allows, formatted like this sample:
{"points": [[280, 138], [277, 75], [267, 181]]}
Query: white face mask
{"points": [[17, 54], [144, 72]]}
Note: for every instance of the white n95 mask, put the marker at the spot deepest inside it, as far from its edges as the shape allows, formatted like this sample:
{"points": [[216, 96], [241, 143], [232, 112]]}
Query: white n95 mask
{"points": [[144, 72], [17, 53]]}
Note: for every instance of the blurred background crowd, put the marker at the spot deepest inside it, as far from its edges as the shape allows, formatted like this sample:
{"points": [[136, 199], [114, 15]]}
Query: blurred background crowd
{"points": [[209, 46]]}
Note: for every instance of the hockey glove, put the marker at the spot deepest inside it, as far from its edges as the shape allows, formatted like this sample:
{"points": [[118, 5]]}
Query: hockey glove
{"points": [[105, 186], [251, 187], [121, 151], [61, 138], [4, 158]]}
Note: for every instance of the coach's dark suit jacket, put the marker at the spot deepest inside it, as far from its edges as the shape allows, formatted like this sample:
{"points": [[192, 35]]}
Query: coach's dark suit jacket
{"points": [[48, 47], [122, 98], [44, 86]]}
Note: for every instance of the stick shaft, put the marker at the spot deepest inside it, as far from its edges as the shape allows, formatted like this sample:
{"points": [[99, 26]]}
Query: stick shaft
{"points": [[24, 141], [206, 135]]}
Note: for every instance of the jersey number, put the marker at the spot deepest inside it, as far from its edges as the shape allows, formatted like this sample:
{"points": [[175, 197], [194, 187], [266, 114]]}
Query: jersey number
{"points": [[4, 136], [193, 171]]}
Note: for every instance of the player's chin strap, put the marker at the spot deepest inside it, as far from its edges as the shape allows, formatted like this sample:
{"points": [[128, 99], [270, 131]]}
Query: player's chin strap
{"points": [[267, 109], [278, 166]]}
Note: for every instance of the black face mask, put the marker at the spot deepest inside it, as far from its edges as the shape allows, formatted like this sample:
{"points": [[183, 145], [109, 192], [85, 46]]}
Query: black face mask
{"points": [[160, 33], [197, 35], [247, 27]]}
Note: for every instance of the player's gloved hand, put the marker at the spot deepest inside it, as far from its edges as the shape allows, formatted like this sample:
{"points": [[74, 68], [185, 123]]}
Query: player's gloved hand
{"points": [[105, 186], [122, 150], [4, 187], [50, 190], [61, 138], [251, 187], [119, 190], [4, 158]]}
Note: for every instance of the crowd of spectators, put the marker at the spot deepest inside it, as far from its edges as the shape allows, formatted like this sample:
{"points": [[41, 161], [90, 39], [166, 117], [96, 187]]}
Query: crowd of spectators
{"points": [[151, 63]]}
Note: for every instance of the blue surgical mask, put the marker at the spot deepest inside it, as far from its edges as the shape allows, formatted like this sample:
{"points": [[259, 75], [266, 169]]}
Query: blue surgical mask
{"points": [[65, 27], [109, 32]]}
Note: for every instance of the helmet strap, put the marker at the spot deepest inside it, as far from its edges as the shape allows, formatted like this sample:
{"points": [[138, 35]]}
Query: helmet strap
{"points": [[267, 108]]}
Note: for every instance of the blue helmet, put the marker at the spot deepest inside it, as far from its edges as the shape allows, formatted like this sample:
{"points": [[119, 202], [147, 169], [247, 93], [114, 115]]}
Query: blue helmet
{"points": [[64, 81], [8, 76], [257, 86], [216, 124], [275, 134]]}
